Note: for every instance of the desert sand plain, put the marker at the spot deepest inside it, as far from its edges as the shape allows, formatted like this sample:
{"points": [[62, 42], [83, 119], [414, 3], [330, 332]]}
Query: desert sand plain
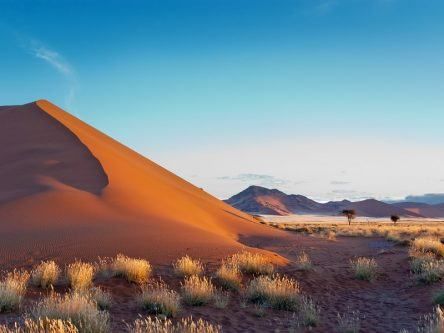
{"points": [[69, 192]]}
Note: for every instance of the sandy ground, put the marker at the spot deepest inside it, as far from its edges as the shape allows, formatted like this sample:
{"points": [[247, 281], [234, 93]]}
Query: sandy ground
{"points": [[322, 219], [393, 301]]}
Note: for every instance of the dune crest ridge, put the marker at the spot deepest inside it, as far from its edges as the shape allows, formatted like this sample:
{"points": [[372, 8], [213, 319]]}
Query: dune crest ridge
{"points": [[83, 194]]}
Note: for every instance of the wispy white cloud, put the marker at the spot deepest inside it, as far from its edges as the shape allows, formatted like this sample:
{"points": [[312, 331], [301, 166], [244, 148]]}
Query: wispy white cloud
{"points": [[260, 179], [339, 182], [53, 58], [57, 61]]}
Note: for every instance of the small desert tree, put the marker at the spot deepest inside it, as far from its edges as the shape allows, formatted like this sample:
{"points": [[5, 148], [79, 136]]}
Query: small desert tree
{"points": [[350, 214], [395, 218]]}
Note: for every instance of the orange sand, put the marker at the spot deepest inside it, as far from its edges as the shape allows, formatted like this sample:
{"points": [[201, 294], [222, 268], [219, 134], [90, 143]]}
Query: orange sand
{"points": [[68, 190]]}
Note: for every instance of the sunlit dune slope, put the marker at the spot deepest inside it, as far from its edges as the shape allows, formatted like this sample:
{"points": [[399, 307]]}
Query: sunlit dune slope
{"points": [[68, 190]]}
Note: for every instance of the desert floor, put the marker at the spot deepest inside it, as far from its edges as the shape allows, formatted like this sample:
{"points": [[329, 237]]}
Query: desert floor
{"points": [[393, 301]]}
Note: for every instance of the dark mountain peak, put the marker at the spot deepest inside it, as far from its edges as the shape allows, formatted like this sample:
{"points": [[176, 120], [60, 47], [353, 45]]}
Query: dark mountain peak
{"points": [[261, 200], [259, 190]]}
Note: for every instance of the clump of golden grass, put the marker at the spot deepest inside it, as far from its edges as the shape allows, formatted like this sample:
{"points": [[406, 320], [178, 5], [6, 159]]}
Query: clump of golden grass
{"points": [[303, 262], [400, 233], [134, 270], [12, 290], [349, 322], [279, 292], [398, 238], [427, 270], [428, 245], [186, 266], [41, 326], [221, 299], [186, 325], [156, 298], [252, 263], [45, 274], [80, 275], [424, 263], [364, 268], [229, 276], [78, 308], [197, 290]]}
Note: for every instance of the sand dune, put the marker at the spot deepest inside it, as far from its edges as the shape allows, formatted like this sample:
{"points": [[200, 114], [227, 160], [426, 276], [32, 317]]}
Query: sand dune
{"points": [[68, 190]]}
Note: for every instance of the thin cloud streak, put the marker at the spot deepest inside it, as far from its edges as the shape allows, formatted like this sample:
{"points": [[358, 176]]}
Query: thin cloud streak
{"points": [[53, 58], [56, 61]]}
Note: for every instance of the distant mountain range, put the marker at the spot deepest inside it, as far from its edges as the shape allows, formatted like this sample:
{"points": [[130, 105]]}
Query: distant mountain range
{"points": [[261, 200]]}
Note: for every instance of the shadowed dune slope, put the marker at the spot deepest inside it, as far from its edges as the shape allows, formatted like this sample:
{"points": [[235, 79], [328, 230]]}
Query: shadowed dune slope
{"points": [[68, 190]]}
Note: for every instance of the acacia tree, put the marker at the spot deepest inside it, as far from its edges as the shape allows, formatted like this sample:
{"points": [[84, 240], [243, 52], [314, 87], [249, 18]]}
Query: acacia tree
{"points": [[395, 218], [350, 214]]}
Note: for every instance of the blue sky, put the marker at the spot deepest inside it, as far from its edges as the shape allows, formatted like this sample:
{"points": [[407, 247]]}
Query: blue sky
{"points": [[328, 98]]}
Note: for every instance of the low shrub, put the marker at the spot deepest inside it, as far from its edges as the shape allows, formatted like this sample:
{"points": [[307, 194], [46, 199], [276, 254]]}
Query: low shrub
{"points": [[186, 325], [221, 299], [156, 298], [80, 275], [197, 290], [134, 270], [229, 276], [41, 326], [77, 308], [428, 244], [278, 292], [102, 298], [303, 262], [349, 322], [186, 266], [364, 268], [45, 274], [12, 290], [252, 263], [432, 323], [309, 312]]}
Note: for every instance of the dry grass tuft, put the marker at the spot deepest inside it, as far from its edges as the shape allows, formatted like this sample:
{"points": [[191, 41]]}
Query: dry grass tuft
{"points": [[427, 270], [134, 270], [229, 276], [221, 299], [349, 322], [186, 266], [41, 326], [75, 307], [364, 268], [45, 274], [12, 290], [80, 275], [156, 298], [309, 312], [278, 292], [186, 325], [102, 298], [432, 323], [428, 245], [252, 263], [400, 233], [424, 263], [197, 290], [303, 262]]}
